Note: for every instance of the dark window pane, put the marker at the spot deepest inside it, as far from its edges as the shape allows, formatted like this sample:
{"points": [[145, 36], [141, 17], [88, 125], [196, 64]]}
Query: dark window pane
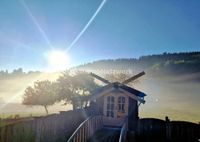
{"points": [[112, 114], [107, 113], [108, 106], [119, 100], [112, 106], [108, 99], [123, 99], [123, 107], [112, 99], [119, 106]]}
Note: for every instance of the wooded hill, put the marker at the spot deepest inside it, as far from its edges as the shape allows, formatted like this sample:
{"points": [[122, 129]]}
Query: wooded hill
{"points": [[171, 83], [167, 63]]}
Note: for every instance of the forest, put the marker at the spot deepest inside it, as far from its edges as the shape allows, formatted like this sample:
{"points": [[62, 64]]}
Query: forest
{"points": [[166, 63]]}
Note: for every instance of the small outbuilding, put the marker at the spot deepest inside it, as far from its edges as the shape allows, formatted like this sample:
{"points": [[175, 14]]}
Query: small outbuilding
{"points": [[117, 102]]}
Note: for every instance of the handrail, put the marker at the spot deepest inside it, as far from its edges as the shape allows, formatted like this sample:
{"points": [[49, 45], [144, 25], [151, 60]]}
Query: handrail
{"points": [[123, 131], [77, 129], [86, 129]]}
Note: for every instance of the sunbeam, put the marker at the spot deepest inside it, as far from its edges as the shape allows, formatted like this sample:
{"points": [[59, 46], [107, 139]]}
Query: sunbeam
{"points": [[20, 93], [87, 25], [42, 32]]}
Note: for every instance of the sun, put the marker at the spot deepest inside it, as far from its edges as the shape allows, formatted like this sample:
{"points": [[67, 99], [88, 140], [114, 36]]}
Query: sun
{"points": [[58, 60]]}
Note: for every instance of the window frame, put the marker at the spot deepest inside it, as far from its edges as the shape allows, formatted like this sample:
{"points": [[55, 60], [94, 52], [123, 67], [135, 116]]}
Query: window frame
{"points": [[121, 104], [110, 106]]}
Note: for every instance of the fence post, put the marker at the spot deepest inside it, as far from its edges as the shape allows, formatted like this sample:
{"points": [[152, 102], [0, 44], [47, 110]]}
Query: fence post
{"points": [[168, 128], [138, 127]]}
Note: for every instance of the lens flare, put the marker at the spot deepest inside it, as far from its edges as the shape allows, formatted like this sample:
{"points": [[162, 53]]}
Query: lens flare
{"points": [[87, 25], [36, 23], [58, 60]]}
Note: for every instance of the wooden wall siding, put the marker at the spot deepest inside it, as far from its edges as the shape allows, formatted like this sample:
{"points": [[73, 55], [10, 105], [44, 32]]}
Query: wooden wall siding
{"points": [[132, 115], [52, 128], [100, 104]]}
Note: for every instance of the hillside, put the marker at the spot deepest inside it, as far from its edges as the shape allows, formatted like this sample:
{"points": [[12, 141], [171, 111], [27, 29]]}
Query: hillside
{"points": [[166, 63], [171, 83]]}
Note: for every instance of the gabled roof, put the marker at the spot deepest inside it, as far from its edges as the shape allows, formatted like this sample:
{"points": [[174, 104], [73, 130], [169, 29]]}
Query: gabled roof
{"points": [[116, 86], [133, 91]]}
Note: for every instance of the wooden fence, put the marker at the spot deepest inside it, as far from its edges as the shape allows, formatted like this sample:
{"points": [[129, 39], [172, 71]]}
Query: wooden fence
{"points": [[151, 129], [184, 131], [52, 128], [59, 128]]}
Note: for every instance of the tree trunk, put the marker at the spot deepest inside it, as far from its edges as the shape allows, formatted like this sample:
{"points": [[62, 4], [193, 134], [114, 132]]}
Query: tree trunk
{"points": [[46, 110]]}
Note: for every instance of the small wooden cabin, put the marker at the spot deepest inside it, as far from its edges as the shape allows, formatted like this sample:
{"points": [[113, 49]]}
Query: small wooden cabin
{"points": [[117, 102]]}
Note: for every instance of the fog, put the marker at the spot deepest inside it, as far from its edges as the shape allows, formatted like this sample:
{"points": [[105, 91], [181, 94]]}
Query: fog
{"points": [[12, 90], [175, 97]]}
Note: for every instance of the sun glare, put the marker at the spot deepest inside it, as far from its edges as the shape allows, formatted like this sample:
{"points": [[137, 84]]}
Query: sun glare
{"points": [[58, 60]]}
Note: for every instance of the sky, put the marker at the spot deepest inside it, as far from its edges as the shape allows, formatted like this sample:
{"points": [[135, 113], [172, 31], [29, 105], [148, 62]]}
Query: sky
{"points": [[31, 29]]}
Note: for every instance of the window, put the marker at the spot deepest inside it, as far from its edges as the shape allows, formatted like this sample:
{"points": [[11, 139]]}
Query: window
{"points": [[121, 104], [110, 106]]}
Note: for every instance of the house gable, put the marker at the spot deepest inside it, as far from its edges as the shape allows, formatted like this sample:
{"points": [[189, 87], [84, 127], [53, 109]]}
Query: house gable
{"points": [[111, 88]]}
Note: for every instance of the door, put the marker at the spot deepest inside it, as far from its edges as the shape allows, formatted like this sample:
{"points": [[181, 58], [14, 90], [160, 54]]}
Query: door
{"points": [[112, 109]]}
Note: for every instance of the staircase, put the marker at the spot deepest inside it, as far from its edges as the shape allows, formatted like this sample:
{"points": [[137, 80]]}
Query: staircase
{"points": [[93, 130], [106, 135]]}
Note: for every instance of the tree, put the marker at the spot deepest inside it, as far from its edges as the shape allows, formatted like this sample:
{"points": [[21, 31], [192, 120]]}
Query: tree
{"points": [[43, 93], [117, 77], [18, 71], [121, 77], [83, 83], [65, 90], [72, 87]]}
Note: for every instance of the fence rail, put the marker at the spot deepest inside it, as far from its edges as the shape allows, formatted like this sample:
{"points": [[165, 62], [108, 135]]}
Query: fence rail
{"points": [[86, 129]]}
